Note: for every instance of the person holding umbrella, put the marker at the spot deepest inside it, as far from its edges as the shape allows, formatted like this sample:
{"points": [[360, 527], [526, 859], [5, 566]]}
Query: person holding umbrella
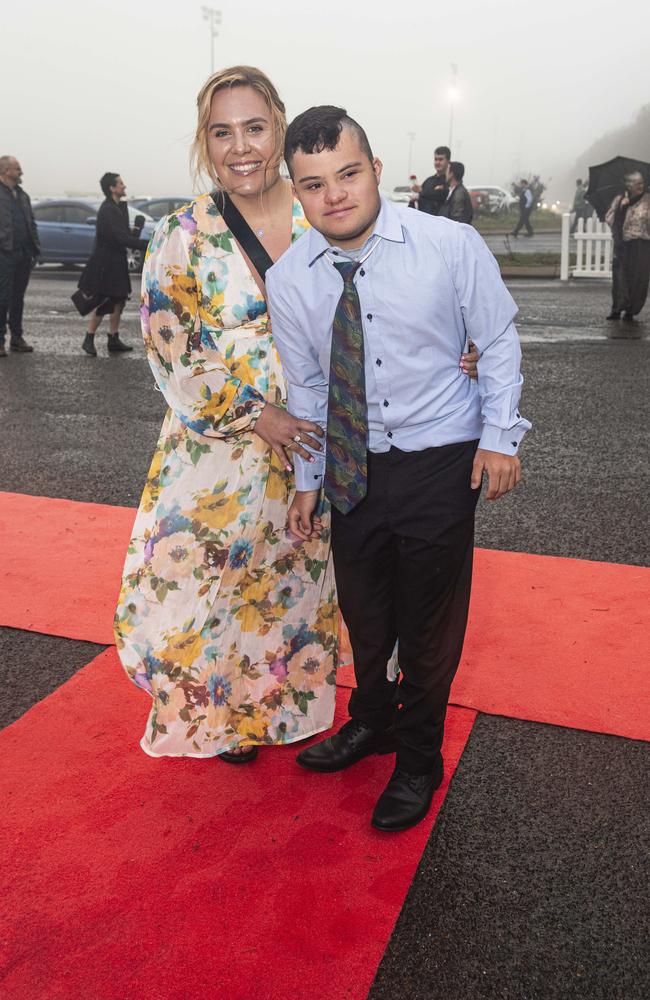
{"points": [[629, 218]]}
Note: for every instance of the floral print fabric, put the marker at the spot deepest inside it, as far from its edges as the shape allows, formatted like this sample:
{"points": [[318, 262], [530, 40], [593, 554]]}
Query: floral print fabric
{"points": [[230, 625]]}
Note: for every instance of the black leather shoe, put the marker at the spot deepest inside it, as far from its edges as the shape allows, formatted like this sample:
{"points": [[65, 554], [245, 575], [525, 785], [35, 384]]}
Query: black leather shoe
{"points": [[613, 315], [21, 346], [3, 351], [629, 317], [89, 345], [115, 345], [247, 755], [352, 743], [406, 799]]}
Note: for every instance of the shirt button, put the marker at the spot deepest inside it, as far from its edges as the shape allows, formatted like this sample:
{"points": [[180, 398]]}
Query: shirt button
{"points": [[362, 272], [514, 444], [378, 361], [389, 434], [369, 316], [386, 403], [316, 477]]}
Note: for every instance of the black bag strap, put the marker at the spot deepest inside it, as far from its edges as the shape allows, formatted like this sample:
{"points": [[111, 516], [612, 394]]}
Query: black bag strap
{"points": [[243, 233]]}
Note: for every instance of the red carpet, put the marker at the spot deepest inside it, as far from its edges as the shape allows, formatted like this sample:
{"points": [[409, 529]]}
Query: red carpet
{"points": [[555, 640], [132, 878], [61, 565], [550, 640]]}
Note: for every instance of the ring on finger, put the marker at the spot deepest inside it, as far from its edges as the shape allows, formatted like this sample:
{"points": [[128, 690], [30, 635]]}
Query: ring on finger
{"points": [[297, 438]]}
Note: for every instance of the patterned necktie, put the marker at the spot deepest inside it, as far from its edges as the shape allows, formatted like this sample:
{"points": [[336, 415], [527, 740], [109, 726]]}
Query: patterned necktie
{"points": [[346, 465]]}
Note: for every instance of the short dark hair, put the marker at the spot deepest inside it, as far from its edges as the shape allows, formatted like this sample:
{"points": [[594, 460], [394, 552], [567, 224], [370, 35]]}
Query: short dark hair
{"points": [[458, 170], [108, 181], [320, 128], [442, 151], [579, 181]]}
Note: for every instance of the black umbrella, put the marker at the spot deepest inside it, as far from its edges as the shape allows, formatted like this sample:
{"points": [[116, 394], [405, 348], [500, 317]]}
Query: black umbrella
{"points": [[606, 180]]}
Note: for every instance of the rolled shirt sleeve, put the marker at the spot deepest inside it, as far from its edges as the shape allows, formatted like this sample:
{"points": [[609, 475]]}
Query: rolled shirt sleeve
{"points": [[307, 387], [488, 312]]}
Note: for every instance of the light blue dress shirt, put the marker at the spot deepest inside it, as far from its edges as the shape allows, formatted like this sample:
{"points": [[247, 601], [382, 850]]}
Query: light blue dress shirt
{"points": [[427, 284]]}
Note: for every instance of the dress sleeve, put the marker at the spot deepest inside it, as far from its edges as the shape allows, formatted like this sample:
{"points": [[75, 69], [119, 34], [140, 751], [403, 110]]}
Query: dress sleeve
{"points": [[194, 377]]}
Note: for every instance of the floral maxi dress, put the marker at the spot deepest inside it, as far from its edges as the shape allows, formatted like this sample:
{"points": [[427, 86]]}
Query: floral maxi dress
{"points": [[229, 623]]}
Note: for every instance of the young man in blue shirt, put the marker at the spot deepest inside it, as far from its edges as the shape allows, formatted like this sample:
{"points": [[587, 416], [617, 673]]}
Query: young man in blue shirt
{"points": [[370, 311]]}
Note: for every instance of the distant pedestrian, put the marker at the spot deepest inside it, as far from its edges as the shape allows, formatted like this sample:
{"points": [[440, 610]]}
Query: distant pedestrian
{"points": [[19, 248], [106, 275], [526, 205], [458, 204], [629, 218], [581, 208], [433, 191]]}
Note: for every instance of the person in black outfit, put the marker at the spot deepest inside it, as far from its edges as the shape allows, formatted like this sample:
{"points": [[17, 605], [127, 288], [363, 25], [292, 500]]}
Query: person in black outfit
{"points": [[629, 218], [107, 272], [458, 205], [526, 206], [19, 247], [433, 191]]}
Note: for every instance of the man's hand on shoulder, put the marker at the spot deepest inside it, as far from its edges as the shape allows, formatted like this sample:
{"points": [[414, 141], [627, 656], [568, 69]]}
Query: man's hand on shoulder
{"points": [[503, 472], [300, 519]]}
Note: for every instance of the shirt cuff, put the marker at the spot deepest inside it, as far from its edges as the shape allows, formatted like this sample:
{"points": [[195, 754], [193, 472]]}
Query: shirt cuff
{"points": [[506, 441], [309, 475]]}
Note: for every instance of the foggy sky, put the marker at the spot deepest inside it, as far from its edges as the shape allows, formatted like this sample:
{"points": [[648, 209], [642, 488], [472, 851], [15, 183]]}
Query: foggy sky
{"points": [[101, 86]]}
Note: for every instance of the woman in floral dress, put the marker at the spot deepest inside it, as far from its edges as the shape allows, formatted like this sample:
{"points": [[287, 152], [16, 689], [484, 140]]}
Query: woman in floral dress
{"points": [[229, 624]]}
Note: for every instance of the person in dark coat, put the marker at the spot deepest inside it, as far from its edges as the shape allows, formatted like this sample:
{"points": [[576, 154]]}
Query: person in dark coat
{"points": [[433, 191], [19, 248], [629, 218], [106, 274], [458, 205]]}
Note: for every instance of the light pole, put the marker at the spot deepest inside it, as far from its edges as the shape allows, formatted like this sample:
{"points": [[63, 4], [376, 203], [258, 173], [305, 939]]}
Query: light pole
{"points": [[212, 15], [453, 97], [411, 136]]}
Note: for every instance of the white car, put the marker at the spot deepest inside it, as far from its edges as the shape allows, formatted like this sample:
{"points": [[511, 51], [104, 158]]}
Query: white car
{"points": [[403, 194], [492, 199]]}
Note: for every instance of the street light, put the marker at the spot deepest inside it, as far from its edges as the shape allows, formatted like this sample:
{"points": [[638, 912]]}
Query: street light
{"points": [[411, 137], [212, 15], [453, 94]]}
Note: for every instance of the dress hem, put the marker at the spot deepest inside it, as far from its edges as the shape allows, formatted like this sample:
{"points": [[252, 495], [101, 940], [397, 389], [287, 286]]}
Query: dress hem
{"points": [[248, 743]]}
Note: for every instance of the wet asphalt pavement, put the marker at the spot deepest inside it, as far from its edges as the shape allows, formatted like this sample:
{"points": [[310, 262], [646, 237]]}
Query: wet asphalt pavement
{"points": [[85, 428]]}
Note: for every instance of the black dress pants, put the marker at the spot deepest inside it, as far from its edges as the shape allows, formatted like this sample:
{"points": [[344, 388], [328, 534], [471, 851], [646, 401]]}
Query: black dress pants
{"points": [[15, 270], [524, 220], [630, 276], [403, 565]]}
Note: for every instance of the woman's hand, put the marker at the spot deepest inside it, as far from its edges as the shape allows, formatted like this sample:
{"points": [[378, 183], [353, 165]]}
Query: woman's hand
{"points": [[468, 362], [301, 519], [283, 431]]}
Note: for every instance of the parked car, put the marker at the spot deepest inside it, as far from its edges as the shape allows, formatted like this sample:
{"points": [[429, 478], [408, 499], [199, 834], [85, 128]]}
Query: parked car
{"points": [[402, 193], [487, 199], [158, 207], [66, 229]]}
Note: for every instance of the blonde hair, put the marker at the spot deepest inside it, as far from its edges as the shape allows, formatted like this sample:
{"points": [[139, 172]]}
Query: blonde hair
{"points": [[234, 76]]}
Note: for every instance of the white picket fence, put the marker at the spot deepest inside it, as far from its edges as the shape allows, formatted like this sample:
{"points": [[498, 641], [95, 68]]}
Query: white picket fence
{"points": [[593, 248]]}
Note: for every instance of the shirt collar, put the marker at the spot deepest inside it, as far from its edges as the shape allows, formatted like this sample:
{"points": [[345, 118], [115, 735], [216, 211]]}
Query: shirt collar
{"points": [[388, 226]]}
